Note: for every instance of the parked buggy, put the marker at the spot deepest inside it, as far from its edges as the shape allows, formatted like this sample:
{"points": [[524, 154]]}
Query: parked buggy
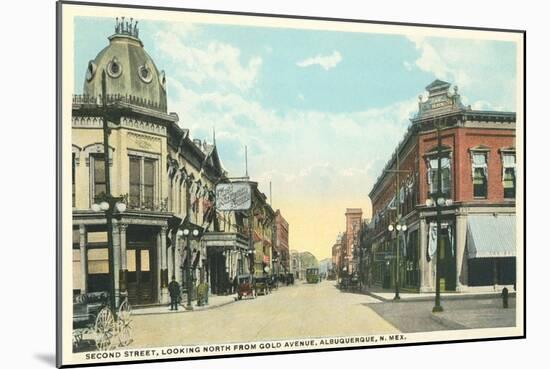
{"points": [[261, 285], [245, 287], [94, 320], [354, 283], [289, 279], [273, 282]]}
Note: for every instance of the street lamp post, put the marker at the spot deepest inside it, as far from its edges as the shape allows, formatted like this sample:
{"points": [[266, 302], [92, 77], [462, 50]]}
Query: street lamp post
{"points": [[398, 227], [108, 204], [189, 232], [439, 201]]}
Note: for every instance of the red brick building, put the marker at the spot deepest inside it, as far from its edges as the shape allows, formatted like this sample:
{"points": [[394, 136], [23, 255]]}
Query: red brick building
{"points": [[282, 265], [478, 195], [353, 227], [337, 256]]}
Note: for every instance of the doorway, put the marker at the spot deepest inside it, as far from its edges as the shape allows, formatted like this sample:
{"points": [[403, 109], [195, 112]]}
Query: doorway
{"points": [[141, 278]]}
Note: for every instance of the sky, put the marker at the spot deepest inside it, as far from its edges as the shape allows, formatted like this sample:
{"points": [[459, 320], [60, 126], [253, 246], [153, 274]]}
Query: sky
{"points": [[320, 112]]}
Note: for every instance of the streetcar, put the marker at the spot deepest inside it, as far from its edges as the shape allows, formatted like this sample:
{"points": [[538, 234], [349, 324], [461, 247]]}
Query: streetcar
{"points": [[312, 275]]}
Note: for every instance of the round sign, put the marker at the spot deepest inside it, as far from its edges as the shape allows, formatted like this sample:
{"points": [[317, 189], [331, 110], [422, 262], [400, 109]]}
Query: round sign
{"points": [[266, 269]]}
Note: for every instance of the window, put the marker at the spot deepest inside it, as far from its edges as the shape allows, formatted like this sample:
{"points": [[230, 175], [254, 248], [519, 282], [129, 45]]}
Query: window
{"points": [[479, 174], [135, 179], [148, 182], [142, 183], [99, 185], [445, 175], [73, 179], [509, 175]]}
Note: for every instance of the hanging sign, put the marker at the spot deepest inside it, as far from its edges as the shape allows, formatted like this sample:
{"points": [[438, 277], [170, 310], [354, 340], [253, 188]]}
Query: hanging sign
{"points": [[233, 196]]}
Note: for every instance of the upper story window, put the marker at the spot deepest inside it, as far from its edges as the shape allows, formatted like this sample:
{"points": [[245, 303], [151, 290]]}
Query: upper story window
{"points": [[99, 185], [142, 182], [479, 173], [509, 174], [433, 174]]}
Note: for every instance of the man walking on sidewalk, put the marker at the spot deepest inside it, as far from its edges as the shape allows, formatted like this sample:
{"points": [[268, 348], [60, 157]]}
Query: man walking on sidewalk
{"points": [[174, 290]]}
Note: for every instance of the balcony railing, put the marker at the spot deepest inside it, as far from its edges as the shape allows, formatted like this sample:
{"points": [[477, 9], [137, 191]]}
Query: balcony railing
{"points": [[90, 101], [148, 205]]}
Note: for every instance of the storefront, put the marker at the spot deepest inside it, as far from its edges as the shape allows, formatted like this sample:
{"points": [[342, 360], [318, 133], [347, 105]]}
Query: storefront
{"points": [[140, 257], [491, 250], [411, 264], [226, 258]]}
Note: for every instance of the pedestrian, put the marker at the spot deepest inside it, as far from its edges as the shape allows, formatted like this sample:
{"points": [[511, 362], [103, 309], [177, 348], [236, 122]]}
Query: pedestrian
{"points": [[235, 284], [174, 290]]}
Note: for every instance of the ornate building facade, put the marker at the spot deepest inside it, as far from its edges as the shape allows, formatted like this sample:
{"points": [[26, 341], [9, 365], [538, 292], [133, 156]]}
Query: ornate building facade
{"points": [[165, 179], [477, 199]]}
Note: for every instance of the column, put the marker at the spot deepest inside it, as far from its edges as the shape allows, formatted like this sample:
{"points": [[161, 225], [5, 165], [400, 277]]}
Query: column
{"points": [[178, 259], [83, 258], [116, 262], [170, 252], [158, 268], [461, 261], [163, 266], [425, 266], [123, 258]]}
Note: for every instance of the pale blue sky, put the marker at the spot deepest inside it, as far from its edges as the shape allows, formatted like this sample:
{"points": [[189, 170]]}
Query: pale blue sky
{"points": [[320, 111]]}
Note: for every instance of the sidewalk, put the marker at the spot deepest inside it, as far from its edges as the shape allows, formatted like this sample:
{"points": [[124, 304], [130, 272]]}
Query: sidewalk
{"points": [[461, 311], [214, 301], [387, 295]]}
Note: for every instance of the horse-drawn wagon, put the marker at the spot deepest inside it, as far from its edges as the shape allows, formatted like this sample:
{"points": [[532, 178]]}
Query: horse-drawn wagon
{"points": [[94, 322]]}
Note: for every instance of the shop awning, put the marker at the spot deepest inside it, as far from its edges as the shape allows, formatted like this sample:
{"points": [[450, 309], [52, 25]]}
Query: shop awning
{"points": [[225, 239], [490, 236]]}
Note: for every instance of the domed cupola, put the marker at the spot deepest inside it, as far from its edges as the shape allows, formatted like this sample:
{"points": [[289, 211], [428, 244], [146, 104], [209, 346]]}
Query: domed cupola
{"points": [[131, 74]]}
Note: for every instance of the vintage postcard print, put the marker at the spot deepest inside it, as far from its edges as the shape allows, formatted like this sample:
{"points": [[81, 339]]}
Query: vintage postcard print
{"points": [[233, 184]]}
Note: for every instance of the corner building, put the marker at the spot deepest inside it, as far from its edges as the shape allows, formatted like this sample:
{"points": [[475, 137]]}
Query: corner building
{"points": [[478, 167], [165, 177]]}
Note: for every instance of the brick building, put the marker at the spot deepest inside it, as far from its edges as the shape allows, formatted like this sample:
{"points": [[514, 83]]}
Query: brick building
{"points": [[478, 185], [282, 263], [353, 227], [337, 256]]}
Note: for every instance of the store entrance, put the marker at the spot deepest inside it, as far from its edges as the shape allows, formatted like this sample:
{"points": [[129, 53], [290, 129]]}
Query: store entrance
{"points": [[141, 275]]}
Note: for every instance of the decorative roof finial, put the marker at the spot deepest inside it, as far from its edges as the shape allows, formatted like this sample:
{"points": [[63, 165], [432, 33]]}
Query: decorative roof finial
{"points": [[123, 27]]}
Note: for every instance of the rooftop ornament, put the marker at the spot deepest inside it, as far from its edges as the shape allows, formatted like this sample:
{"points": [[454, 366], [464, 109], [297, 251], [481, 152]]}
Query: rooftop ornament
{"points": [[123, 27]]}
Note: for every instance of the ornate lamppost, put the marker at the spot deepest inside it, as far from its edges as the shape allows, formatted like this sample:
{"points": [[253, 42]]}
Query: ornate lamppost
{"points": [[188, 231], [108, 203], [398, 227], [438, 199]]}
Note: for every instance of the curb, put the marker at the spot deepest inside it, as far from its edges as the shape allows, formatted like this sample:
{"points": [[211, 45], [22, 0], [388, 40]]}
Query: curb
{"points": [[458, 296], [447, 322], [183, 310]]}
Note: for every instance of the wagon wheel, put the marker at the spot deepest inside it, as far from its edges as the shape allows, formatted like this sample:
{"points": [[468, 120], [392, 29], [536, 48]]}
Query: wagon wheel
{"points": [[124, 333], [77, 338], [104, 327], [124, 311]]}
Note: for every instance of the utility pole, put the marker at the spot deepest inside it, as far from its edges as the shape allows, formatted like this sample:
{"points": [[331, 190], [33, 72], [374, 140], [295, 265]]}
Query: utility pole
{"points": [[108, 212]]}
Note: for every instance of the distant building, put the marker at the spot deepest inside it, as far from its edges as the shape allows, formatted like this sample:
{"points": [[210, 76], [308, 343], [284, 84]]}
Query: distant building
{"points": [[295, 263], [353, 227], [325, 265], [281, 245], [478, 165]]}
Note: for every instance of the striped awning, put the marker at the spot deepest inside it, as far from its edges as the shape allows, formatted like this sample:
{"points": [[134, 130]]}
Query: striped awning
{"points": [[491, 236]]}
